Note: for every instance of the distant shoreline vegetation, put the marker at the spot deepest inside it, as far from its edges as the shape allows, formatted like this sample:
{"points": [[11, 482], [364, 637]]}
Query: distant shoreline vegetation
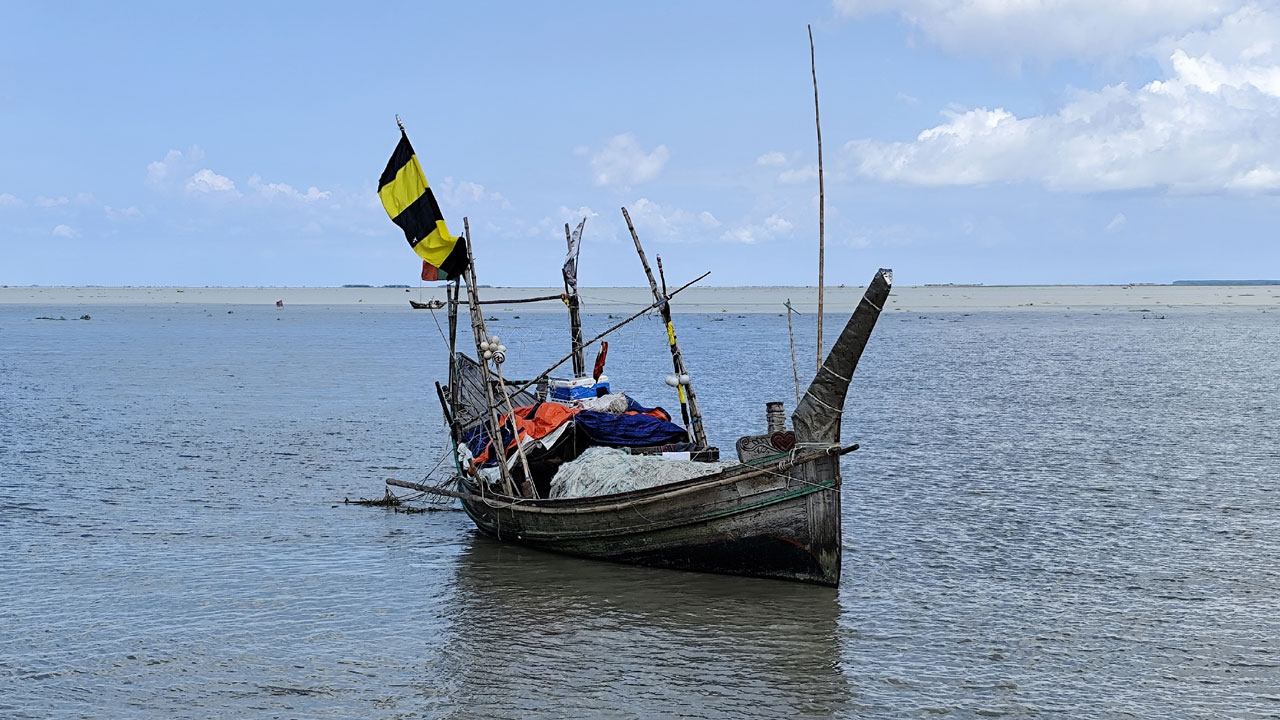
{"points": [[369, 286], [1226, 282]]}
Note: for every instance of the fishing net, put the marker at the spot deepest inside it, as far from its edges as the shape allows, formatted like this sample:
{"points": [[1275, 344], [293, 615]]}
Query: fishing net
{"points": [[604, 471]]}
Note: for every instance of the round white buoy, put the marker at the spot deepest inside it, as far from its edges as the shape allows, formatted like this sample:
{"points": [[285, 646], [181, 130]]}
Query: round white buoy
{"points": [[673, 381], [684, 379]]}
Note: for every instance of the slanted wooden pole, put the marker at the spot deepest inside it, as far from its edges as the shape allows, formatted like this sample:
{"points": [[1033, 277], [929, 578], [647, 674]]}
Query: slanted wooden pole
{"points": [[607, 332], [822, 201], [685, 390], [791, 333], [480, 334]]}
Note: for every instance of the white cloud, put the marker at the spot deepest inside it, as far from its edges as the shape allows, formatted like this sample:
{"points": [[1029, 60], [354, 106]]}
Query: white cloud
{"points": [[750, 234], [65, 231], [175, 165], [7, 200], [796, 176], [1212, 123], [575, 216], [670, 223], [623, 162], [772, 159], [270, 191], [467, 193], [1116, 223], [48, 202], [777, 225], [789, 175], [121, 214], [208, 182], [1048, 30], [1262, 177]]}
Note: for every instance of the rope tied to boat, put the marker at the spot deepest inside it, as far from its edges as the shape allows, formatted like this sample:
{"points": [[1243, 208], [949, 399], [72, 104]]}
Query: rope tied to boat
{"points": [[838, 375], [867, 300], [809, 394]]}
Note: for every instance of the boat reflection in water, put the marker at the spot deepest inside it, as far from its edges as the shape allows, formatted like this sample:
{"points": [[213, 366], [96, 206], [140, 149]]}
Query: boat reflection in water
{"points": [[534, 632]]}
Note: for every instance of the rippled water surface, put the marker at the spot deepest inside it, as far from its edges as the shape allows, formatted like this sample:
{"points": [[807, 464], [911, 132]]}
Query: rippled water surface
{"points": [[1051, 514]]}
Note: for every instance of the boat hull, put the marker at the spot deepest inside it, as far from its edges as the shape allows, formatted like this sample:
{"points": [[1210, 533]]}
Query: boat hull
{"points": [[781, 523]]}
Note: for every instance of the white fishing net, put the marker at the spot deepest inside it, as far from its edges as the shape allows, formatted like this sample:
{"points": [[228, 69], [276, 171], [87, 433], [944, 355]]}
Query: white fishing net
{"points": [[613, 403], [604, 471]]}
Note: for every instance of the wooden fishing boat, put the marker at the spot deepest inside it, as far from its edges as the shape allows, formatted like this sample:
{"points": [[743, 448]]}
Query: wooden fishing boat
{"points": [[775, 513], [428, 305], [774, 516]]}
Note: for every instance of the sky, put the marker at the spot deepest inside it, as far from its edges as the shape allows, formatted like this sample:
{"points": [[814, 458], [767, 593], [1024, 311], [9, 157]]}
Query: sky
{"points": [[963, 141]]}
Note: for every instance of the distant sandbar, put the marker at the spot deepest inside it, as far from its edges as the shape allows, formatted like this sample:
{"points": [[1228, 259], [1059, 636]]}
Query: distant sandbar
{"points": [[744, 299]]}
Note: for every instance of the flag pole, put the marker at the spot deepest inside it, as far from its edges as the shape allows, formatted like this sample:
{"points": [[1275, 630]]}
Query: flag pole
{"points": [[526, 485], [481, 334]]}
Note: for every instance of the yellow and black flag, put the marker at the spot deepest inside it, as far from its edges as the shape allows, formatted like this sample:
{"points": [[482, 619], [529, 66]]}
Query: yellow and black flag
{"points": [[411, 205]]}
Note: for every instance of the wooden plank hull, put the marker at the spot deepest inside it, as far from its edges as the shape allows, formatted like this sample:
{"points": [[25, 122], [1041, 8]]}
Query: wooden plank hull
{"points": [[784, 523]]}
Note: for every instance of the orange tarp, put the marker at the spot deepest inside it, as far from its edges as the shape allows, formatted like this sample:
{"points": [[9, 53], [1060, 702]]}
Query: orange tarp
{"points": [[544, 420]]}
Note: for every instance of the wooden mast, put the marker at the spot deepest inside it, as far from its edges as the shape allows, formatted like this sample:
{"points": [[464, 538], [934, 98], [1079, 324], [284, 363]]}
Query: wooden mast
{"points": [[683, 384], [452, 292], [575, 320], [451, 402]]}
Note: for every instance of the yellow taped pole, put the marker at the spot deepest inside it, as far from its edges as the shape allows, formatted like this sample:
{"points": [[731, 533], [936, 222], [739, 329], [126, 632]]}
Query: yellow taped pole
{"points": [[530, 383], [694, 421]]}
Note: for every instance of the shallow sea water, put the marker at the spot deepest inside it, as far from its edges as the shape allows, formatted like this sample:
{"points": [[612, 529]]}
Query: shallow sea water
{"points": [[1052, 514]]}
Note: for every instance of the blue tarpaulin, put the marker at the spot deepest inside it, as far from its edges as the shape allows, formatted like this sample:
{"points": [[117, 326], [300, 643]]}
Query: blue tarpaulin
{"points": [[627, 430], [632, 429]]}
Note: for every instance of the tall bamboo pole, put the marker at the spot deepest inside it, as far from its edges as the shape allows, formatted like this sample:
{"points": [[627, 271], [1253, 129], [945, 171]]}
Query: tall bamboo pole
{"points": [[822, 201], [530, 383]]}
